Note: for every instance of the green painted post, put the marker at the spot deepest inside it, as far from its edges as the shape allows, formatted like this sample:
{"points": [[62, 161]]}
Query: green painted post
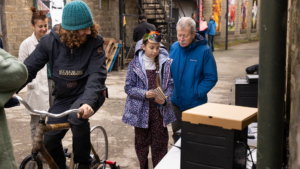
{"points": [[271, 86]]}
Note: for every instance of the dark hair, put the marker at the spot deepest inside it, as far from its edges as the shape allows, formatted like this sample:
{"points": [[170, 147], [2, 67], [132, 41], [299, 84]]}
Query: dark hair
{"points": [[143, 16], [156, 60], [193, 14], [71, 38], [37, 15]]}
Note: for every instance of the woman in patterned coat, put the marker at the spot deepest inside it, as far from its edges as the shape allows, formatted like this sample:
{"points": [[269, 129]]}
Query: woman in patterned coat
{"points": [[149, 114]]}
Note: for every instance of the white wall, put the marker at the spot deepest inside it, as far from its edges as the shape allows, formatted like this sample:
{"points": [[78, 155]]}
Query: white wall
{"points": [[188, 8]]}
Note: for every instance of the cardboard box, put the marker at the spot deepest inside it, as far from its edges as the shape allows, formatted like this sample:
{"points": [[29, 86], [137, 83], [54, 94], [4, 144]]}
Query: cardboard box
{"points": [[225, 116], [214, 136]]}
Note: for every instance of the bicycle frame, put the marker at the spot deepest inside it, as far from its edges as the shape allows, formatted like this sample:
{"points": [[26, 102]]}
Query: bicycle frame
{"points": [[42, 127], [38, 146]]}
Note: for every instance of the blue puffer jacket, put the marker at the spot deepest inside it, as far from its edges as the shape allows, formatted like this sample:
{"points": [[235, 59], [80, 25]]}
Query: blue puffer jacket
{"points": [[137, 106], [211, 30], [194, 72]]}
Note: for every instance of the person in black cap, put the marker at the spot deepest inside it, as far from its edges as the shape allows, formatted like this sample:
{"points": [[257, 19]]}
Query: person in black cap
{"points": [[140, 30], [75, 53]]}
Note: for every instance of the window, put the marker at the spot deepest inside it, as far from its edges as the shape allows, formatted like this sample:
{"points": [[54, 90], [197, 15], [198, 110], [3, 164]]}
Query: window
{"points": [[53, 9]]}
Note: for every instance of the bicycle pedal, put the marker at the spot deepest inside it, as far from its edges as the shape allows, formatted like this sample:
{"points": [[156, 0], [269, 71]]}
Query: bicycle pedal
{"points": [[68, 155]]}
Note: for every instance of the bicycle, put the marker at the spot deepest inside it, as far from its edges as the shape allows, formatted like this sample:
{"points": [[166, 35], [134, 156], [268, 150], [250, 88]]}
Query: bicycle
{"points": [[97, 143]]}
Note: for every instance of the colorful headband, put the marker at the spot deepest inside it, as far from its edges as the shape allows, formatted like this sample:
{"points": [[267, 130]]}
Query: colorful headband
{"points": [[154, 36]]}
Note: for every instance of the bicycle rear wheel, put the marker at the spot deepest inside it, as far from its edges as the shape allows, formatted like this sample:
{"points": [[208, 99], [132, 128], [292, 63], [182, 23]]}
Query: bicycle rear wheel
{"points": [[28, 163], [99, 141]]}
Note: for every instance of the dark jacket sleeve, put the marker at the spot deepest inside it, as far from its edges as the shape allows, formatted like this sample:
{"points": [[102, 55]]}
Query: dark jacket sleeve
{"points": [[134, 35], [97, 76], [153, 27], [36, 60]]}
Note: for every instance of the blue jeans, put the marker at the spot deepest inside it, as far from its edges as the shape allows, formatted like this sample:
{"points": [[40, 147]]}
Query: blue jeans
{"points": [[211, 41]]}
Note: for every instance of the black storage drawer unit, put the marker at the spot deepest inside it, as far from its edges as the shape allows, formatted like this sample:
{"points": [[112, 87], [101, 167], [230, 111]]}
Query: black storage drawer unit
{"points": [[211, 147], [246, 94]]}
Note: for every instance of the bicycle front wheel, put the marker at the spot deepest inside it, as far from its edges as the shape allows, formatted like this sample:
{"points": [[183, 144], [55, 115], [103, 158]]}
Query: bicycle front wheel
{"points": [[29, 163], [99, 141]]}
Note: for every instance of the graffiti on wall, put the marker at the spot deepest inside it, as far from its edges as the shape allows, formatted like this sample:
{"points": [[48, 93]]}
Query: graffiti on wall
{"points": [[244, 14], [217, 13], [231, 15], [254, 14]]}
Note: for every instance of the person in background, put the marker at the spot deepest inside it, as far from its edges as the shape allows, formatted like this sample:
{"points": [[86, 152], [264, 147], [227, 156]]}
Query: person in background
{"points": [[140, 30], [148, 113], [13, 74], [211, 31], [1, 43], [203, 26], [194, 18], [193, 69], [37, 95]]}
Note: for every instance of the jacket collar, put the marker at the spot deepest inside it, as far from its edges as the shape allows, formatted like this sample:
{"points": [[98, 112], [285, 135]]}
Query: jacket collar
{"points": [[34, 39], [143, 22]]}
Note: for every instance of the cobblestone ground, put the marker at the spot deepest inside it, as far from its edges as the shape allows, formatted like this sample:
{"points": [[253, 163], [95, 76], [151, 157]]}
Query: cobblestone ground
{"points": [[231, 65]]}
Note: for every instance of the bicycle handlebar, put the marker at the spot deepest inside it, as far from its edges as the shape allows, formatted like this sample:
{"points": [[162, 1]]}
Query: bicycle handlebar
{"points": [[43, 112]]}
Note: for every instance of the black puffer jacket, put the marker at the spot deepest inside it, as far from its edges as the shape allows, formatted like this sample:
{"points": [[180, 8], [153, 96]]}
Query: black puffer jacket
{"points": [[140, 30], [75, 71]]}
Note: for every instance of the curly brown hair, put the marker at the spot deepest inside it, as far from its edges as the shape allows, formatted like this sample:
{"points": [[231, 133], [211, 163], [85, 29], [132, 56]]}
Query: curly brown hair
{"points": [[72, 38]]}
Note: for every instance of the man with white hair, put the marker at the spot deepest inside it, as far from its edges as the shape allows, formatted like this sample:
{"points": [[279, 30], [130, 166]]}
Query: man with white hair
{"points": [[193, 69]]}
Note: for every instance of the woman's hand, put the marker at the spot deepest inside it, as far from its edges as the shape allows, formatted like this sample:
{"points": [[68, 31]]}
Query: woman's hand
{"points": [[150, 94], [86, 111], [160, 101]]}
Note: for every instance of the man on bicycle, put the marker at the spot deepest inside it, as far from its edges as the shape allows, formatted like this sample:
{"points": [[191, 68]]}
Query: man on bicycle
{"points": [[75, 53]]}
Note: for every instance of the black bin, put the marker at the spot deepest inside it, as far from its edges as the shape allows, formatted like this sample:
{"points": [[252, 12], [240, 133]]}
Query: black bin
{"points": [[211, 147]]}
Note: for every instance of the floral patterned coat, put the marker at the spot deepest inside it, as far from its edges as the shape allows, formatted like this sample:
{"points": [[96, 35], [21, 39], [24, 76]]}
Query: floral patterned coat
{"points": [[137, 105]]}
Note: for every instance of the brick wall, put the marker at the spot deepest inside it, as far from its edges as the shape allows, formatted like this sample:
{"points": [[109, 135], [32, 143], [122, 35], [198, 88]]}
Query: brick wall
{"points": [[108, 19], [16, 24], [131, 8]]}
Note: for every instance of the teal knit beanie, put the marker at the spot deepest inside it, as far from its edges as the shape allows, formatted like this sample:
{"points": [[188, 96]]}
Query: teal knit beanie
{"points": [[76, 15]]}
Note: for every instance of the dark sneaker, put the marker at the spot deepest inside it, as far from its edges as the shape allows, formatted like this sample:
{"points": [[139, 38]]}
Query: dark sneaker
{"points": [[83, 166]]}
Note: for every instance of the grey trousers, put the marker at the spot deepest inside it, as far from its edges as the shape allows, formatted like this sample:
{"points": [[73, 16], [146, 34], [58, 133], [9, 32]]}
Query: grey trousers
{"points": [[33, 124], [176, 125], [51, 97], [35, 118]]}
